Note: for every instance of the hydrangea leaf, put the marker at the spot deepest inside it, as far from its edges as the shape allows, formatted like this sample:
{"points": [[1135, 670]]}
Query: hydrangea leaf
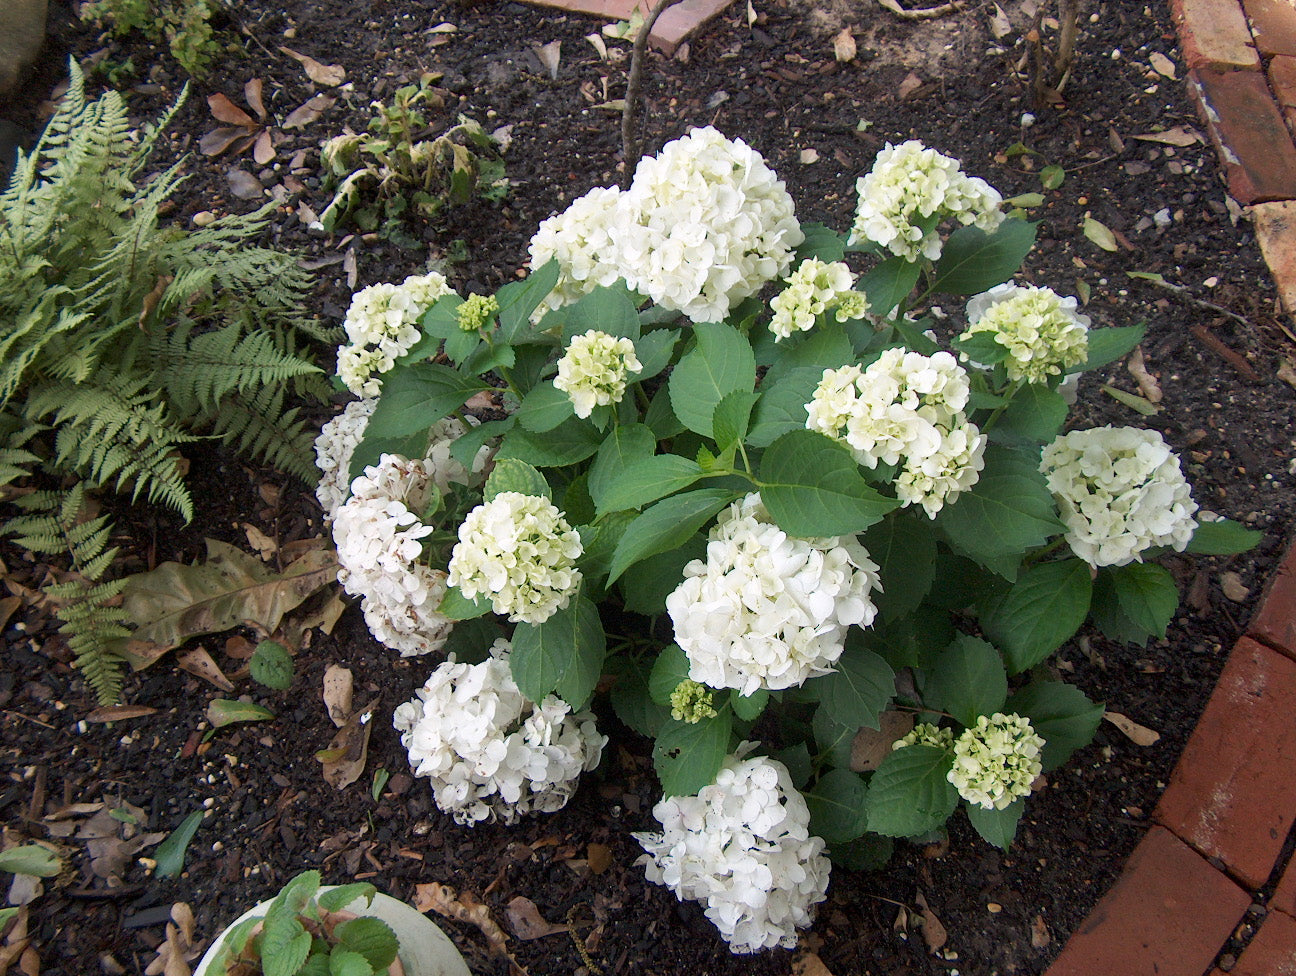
{"points": [[997, 827], [1145, 596], [1041, 611], [569, 442], [812, 487], [518, 299], [909, 794], [417, 396], [973, 261], [982, 347], [858, 690], [466, 446], [666, 525], [867, 853], [904, 546], [1223, 538], [1061, 715], [438, 322], [625, 444], [600, 542], [889, 283], [670, 668], [510, 474], [645, 590], [654, 351], [470, 640], [782, 406], [544, 408], [1034, 416], [721, 363], [799, 765], [749, 707], [833, 738], [1108, 345], [911, 641], [821, 242], [838, 804], [606, 309], [827, 346], [633, 703], [659, 416], [967, 679], [372, 938], [644, 481], [563, 655], [688, 756], [731, 418]]}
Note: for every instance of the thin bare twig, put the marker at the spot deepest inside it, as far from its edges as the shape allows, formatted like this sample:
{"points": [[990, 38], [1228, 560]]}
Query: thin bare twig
{"points": [[629, 137], [924, 13]]}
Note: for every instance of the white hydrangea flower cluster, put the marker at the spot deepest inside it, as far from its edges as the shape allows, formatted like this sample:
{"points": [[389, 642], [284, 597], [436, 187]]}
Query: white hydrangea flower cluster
{"points": [[518, 551], [704, 224], [908, 185], [489, 752], [813, 288], [996, 761], [906, 409], [381, 325], [926, 734], [378, 538], [1120, 491], [580, 238], [1042, 331], [339, 438], [742, 847], [593, 370], [766, 610]]}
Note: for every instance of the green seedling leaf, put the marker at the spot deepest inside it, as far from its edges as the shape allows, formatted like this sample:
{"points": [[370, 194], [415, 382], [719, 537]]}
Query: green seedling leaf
{"points": [[170, 854], [1100, 234], [380, 779], [838, 805], [997, 827], [1223, 538], [688, 756], [909, 794], [510, 474], [224, 711], [348, 962], [271, 665], [285, 944], [32, 859]]}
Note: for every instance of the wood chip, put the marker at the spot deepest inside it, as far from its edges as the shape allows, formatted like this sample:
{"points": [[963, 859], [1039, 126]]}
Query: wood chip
{"points": [[338, 689], [1040, 937], [844, 46]]}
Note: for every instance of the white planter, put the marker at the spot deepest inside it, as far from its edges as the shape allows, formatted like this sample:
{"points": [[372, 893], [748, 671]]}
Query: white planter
{"points": [[424, 949]]}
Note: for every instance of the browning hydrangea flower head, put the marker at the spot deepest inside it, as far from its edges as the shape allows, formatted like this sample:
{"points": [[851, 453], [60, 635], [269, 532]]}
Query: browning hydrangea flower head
{"points": [[594, 369], [519, 552], [910, 185], [742, 848], [1042, 331], [708, 223], [926, 734], [1120, 491], [905, 409], [813, 288], [489, 752], [379, 547], [765, 609], [580, 238], [996, 761], [381, 324]]}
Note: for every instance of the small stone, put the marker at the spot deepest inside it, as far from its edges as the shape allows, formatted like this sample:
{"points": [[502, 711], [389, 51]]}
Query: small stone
{"points": [[202, 218]]}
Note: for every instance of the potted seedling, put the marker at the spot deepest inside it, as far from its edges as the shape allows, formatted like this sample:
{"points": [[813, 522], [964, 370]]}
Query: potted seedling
{"points": [[346, 930]]}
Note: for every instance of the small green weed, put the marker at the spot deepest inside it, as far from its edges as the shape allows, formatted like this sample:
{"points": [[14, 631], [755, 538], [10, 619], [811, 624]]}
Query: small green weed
{"points": [[185, 26]]}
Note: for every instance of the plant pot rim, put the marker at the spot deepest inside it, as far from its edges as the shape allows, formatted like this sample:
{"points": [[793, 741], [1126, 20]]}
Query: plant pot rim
{"points": [[424, 949]]}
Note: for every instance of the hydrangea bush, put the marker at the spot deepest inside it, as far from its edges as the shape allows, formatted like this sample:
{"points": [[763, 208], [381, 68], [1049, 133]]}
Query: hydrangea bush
{"points": [[746, 489]]}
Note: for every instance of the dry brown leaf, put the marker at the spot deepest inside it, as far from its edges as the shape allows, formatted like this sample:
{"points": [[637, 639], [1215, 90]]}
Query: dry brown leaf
{"points": [[224, 110], [29, 962], [871, 746], [933, 932], [243, 184], [1138, 734], [227, 139], [809, 964], [910, 85], [8, 606], [1147, 383], [527, 923], [24, 889], [345, 756], [550, 56], [113, 844], [338, 686], [809, 156], [844, 45], [263, 149], [1162, 65], [252, 93], [1181, 136], [198, 662], [1040, 937], [329, 75], [598, 857], [177, 949], [445, 901], [119, 713], [308, 112], [265, 546], [351, 266], [239, 648], [1000, 25]]}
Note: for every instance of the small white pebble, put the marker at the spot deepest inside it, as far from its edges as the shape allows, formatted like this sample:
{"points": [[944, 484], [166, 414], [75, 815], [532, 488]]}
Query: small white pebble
{"points": [[1027, 120]]}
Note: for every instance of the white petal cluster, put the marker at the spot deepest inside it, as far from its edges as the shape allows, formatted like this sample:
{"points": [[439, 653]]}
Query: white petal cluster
{"points": [[1042, 331], [518, 551], [1120, 491], [378, 537], [593, 370], [381, 324], [996, 761], [704, 224], [742, 847], [907, 187], [339, 437], [905, 409], [812, 289], [765, 609], [580, 238], [489, 752]]}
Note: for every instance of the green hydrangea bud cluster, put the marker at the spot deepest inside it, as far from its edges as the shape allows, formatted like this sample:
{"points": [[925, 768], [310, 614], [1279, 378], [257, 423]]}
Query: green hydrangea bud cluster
{"points": [[691, 702], [926, 734], [476, 311]]}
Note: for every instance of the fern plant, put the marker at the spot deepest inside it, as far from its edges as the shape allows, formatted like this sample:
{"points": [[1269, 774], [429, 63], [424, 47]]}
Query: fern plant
{"points": [[122, 341]]}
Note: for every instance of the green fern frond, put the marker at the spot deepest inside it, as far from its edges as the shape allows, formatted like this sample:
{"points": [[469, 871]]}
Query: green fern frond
{"points": [[92, 623], [259, 426]]}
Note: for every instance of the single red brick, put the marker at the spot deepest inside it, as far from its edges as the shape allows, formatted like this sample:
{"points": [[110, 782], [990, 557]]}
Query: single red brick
{"points": [[1273, 25], [1282, 76], [1273, 950], [1214, 33], [1275, 621], [1232, 795], [1249, 133], [1275, 229], [1168, 913]]}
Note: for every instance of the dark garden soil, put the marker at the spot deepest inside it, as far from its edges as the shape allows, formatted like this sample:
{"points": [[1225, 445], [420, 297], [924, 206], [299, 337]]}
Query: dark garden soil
{"points": [[777, 85]]}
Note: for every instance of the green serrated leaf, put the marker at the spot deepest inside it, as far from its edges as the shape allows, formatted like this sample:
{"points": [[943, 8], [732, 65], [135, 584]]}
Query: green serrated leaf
{"points": [[510, 474], [1146, 593], [973, 261], [336, 899], [284, 946], [372, 938], [838, 804], [563, 655], [571, 441], [688, 756], [1060, 714], [609, 310], [782, 406], [1034, 416], [967, 680], [347, 962], [670, 668], [997, 827], [518, 299], [455, 606], [904, 546], [889, 283], [982, 347], [832, 738], [1043, 609], [271, 665], [1108, 345], [654, 351], [645, 480], [731, 418], [858, 690], [820, 242], [1223, 538], [666, 525], [632, 702], [749, 707], [721, 363], [910, 794], [656, 577], [544, 408], [867, 853], [812, 487]]}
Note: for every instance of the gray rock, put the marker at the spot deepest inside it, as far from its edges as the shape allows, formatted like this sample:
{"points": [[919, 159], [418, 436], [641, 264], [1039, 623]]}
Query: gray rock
{"points": [[22, 32]]}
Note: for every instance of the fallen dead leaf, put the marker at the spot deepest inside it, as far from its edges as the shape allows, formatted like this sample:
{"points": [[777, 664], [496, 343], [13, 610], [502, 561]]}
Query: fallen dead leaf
{"points": [[445, 901], [1233, 587], [844, 45], [933, 932], [599, 857], [308, 112], [1147, 383], [1140, 735], [1181, 136], [527, 923], [265, 546], [1162, 65], [338, 685], [550, 56], [243, 184], [910, 85], [198, 662], [1099, 233], [119, 713], [1040, 937], [112, 843], [239, 648], [599, 45], [329, 75], [871, 746], [8, 606], [1000, 25], [351, 267], [809, 964], [809, 156], [344, 757], [1285, 373], [177, 949]]}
